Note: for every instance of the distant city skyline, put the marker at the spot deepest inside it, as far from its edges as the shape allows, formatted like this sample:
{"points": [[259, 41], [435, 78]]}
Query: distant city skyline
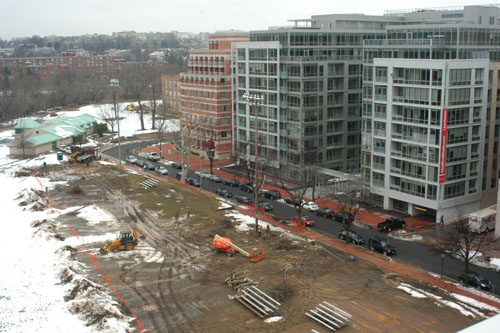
{"points": [[25, 18]]}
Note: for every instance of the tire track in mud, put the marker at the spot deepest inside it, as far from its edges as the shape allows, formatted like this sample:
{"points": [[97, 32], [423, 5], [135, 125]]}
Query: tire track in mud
{"points": [[123, 277], [177, 252]]}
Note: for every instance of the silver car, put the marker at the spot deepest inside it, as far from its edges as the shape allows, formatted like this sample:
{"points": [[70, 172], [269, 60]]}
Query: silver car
{"points": [[163, 171], [131, 159]]}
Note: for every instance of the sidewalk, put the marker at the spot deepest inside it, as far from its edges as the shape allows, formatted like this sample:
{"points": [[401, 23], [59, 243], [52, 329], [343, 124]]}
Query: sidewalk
{"points": [[365, 215]]}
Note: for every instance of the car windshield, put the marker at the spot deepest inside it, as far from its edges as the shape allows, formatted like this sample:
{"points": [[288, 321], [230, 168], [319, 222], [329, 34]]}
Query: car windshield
{"points": [[384, 243]]}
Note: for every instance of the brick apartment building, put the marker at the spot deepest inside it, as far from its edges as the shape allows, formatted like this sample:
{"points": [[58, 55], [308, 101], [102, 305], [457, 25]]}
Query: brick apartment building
{"points": [[205, 92], [170, 92], [46, 67]]}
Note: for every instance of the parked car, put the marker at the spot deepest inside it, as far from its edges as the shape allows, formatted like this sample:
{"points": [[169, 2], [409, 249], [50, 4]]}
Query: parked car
{"points": [[294, 201], [178, 175], [266, 206], [177, 165], [194, 182], [215, 178], [354, 237], [247, 187], [153, 156], [243, 199], [150, 166], [139, 163], [310, 206], [343, 216], [475, 280], [381, 245], [163, 170], [231, 182], [272, 194], [223, 193], [306, 220], [202, 174], [390, 224], [131, 159], [325, 212]]}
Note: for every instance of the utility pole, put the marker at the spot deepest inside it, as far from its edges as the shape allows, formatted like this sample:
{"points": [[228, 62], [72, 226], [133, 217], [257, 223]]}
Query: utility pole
{"points": [[257, 101], [115, 84]]}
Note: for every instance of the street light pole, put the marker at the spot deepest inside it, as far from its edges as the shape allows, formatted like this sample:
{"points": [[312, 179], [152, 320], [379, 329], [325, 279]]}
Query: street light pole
{"points": [[114, 85], [257, 101]]}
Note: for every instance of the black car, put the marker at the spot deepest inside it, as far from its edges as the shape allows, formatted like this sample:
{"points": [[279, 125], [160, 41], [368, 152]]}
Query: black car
{"points": [[381, 245], [150, 166], [325, 212], [247, 187], [343, 216], [266, 205], [475, 280], [390, 224], [178, 175], [293, 201], [231, 182], [354, 237], [223, 193], [194, 182], [272, 194], [139, 163], [177, 165], [243, 199]]}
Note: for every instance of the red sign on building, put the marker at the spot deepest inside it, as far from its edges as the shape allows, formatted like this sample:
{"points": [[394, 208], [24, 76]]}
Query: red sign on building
{"points": [[444, 137]]}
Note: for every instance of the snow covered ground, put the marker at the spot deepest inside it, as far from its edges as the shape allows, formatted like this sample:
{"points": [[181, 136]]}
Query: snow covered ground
{"points": [[32, 295], [130, 123]]}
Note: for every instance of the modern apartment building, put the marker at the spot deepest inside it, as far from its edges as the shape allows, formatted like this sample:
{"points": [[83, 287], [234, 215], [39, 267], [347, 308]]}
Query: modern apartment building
{"points": [[429, 111], [311, 83], [206, 93], [171, 93]]}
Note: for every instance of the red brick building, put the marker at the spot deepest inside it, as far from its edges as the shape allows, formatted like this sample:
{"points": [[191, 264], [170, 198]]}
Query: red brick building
{"points": [[206, 93], [170, 92], [46, 67]]}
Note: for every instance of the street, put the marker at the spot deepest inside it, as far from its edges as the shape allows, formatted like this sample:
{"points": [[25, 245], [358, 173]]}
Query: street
{"points": [[411, 252]]}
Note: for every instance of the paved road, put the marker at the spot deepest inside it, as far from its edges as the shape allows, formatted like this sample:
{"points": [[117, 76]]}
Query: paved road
{"points": [[413, 253]]}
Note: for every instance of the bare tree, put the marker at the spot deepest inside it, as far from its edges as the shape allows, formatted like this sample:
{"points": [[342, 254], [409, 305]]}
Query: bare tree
{"points": [[461, 241], [188, 131], [107, 113], [348, 204]]}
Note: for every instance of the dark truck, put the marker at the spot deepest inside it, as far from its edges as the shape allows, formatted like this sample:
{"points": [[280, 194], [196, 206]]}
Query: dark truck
{"points": [[390, 224], [381, 245]]}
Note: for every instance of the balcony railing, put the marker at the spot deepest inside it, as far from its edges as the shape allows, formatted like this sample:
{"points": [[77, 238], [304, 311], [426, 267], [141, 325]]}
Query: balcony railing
{"points": [[378, 183], [379, 132], [380, 97], [379, 166], [379, 149]]}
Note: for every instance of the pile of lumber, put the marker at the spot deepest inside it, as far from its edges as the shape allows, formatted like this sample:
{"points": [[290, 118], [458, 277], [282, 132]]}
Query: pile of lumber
{"points": [[239, 281]]}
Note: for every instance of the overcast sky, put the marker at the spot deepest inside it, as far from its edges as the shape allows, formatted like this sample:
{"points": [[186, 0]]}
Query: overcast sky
{"points": [[25, 18]]}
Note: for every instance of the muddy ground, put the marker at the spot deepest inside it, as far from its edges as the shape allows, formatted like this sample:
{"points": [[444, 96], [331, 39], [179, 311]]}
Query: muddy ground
{"points": [[174, 281]]}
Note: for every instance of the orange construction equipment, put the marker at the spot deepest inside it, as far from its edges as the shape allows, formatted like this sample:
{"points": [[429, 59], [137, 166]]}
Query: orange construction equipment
{"points": [[224, 244]]}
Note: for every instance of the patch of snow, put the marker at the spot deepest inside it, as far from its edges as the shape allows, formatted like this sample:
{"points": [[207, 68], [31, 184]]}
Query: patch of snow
{"points": [[32, 298], [95, 215], [130, 123], [411, 291], [473, 302], [7, 135], [274, 319], [403, 235], [106, 163]]}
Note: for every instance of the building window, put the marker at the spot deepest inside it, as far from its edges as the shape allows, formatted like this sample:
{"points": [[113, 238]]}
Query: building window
{"points": [[223, 134]]}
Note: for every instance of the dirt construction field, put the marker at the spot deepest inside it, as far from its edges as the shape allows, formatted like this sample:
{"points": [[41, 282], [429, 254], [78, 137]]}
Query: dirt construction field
{"points": [[174, 280]]}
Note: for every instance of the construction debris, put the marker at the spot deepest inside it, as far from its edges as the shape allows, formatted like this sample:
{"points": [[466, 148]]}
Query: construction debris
{"points": [[239, 281], [329, 316], [149, 183], [257, 301]]}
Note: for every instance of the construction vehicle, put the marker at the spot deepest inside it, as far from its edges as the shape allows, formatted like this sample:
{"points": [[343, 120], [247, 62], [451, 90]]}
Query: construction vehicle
{"points": [[127, 241], [224, 244], [84, 155]]}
